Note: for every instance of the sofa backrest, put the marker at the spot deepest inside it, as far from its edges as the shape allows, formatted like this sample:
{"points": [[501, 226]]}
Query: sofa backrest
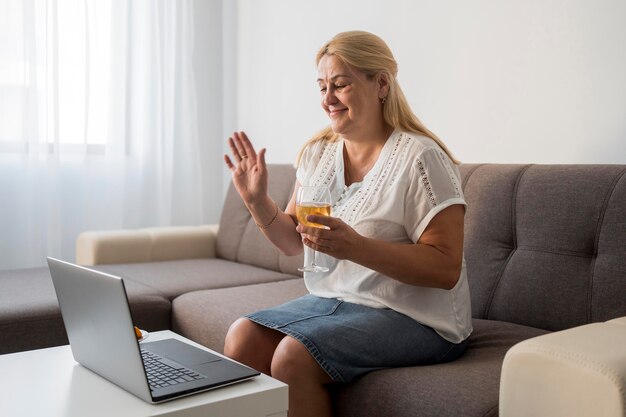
{"points": [[238, 237], [545, 245]]}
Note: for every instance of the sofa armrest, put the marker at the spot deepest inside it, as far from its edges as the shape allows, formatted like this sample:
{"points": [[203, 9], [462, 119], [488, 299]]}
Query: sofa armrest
{"points": [[146, 245], [572, 373]]}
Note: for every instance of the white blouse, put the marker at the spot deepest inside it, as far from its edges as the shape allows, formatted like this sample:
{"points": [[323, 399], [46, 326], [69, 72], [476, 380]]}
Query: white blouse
{"points": [[412, 180]]}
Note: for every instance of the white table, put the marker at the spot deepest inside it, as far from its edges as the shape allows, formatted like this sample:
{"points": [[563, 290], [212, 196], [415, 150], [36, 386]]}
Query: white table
{"points": [[48, 382]]}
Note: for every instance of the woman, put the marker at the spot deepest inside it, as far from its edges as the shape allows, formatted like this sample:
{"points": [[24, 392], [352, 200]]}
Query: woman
{"points": [[396, 293]]}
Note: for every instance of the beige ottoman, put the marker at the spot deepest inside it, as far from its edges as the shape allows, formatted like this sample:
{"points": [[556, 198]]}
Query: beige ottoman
{"points": [[579, 372]]}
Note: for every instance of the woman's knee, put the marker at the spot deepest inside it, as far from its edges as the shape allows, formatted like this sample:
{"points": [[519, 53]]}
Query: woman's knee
{"points": [[235, 338], [251, 343], [292, 363]]}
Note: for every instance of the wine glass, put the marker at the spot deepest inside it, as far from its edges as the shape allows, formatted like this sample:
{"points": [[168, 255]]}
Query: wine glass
{"points": [[312, 200]]}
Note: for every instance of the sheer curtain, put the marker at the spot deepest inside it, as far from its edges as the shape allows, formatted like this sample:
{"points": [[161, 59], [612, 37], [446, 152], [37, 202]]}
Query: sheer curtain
{"points": [[98, 122]]}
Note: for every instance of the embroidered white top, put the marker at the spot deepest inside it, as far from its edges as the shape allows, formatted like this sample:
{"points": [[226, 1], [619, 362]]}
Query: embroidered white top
{"points": [[412, 180]]}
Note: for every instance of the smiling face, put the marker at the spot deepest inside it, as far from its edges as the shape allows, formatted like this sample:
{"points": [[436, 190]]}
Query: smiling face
{"points": [[350, 98]]}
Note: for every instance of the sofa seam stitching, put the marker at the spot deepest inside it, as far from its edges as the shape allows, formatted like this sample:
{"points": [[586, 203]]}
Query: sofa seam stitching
{"points": [[243, 231], [291, 278], [554, 251], [468, 175], [599, 228], [490, 411], [515, 245], [31, 320]]}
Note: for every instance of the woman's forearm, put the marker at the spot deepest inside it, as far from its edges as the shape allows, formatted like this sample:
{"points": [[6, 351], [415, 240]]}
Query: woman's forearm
{"points": [[436, 260], [414, 264], [277, 226]]}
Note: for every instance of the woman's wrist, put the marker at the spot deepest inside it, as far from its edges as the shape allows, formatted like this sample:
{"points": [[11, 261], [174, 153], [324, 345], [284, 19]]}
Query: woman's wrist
{"points": [[268, 224], [258, 204], [263, 211]]}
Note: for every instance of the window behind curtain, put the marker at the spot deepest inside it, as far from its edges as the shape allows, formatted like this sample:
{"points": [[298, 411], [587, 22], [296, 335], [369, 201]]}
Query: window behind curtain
{"points": [[55, 60], [99, 121]]}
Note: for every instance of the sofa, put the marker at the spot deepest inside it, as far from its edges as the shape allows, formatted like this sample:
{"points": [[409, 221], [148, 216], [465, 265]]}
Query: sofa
{"points": [[545, 247]]}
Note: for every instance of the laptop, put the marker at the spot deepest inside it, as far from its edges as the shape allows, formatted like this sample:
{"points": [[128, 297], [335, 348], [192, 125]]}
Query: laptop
{"points": [[102, 337]]}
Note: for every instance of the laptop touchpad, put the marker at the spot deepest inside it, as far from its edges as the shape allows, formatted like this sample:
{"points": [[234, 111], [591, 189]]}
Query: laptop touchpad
{"points": [[181, 352]]}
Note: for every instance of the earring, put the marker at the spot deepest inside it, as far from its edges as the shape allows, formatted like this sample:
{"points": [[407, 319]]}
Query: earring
{"points": [[384, 100]]}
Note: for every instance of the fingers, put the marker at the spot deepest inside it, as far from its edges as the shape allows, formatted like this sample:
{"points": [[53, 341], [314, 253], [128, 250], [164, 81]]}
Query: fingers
{"points": [[330, 222], [316, 232], [336, 239], [229, 163], [261, 159], [315, 245], [241, 146], [246, 145], [321, 238], [235, 151], [312, 232], [242, 150]]}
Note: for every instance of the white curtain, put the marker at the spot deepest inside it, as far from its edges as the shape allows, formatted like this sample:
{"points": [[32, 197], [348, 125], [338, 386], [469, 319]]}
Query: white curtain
{"points": [[98, 122]]}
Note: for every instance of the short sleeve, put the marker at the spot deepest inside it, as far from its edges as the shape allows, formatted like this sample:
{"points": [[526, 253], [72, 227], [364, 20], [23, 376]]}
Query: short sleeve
{"points": [[434, 185]]}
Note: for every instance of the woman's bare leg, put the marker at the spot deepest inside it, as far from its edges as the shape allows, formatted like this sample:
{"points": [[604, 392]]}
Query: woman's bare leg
{"points": [[252, 344], [293, 364]]}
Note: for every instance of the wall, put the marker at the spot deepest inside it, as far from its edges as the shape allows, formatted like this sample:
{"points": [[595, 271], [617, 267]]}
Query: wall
{"points": [[539, 81], [209, 30]]}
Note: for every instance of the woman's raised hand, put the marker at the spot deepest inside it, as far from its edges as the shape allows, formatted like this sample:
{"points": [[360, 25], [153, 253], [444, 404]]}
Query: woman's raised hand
{"points": [[248, 169]]}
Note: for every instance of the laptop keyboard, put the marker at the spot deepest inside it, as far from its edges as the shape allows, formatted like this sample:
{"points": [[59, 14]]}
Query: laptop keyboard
{"points": [[163, 373]]}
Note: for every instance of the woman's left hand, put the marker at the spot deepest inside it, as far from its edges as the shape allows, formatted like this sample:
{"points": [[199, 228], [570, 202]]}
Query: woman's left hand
{"points": [[337, 240]]}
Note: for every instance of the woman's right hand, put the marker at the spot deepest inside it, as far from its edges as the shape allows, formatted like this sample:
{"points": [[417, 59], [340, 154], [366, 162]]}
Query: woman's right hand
{"points": [[249, 170]]}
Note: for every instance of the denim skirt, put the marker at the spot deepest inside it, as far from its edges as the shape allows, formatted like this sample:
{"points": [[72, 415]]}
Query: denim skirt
{"points": [[349, 340]]}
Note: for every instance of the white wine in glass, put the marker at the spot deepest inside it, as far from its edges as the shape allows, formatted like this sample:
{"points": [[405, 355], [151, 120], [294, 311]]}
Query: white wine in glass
{"points": [[312, 200]]}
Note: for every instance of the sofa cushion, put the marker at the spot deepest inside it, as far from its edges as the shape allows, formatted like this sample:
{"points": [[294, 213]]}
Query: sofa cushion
{"points": [[240, 240], [205, 316], [542, 243], [30, 317], [173, 278], [466, 387]]}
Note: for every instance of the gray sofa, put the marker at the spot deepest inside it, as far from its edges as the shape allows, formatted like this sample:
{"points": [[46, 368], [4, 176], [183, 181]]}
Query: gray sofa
{"points": [[545, 247]]}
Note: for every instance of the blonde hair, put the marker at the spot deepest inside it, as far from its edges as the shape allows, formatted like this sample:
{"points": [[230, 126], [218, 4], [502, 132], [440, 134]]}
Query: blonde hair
{"points": [[369, 54]]}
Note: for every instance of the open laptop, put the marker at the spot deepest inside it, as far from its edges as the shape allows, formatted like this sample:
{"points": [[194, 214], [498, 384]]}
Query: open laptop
{"points": [[100, 328]]}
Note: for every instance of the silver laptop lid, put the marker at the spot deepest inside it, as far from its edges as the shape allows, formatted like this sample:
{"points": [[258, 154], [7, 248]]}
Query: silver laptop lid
{"points": [[99, 325]]}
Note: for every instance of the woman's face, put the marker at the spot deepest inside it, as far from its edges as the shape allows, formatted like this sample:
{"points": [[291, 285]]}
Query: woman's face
{"points": [[349, 97]]}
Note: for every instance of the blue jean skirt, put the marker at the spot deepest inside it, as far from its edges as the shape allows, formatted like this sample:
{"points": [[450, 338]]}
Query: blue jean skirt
{"points": [[349, 340]]}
